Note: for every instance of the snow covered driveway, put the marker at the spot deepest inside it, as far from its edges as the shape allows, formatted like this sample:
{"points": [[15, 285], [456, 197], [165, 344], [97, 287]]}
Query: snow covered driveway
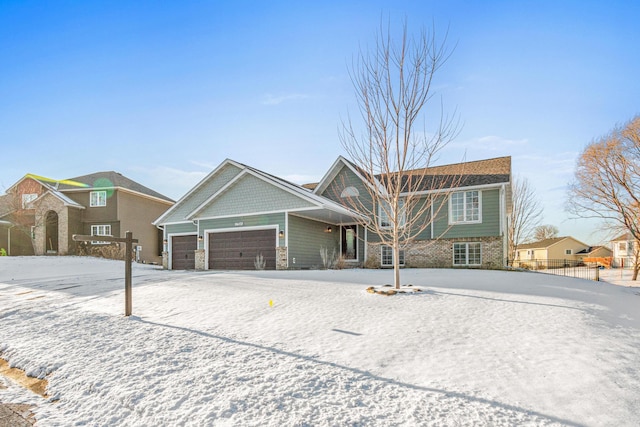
{"points": [[207, 348]]}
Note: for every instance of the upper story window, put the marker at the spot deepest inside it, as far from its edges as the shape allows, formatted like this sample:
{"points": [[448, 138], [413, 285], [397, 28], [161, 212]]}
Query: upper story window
{"points": [[464, 206], [98, 198], [568, 252], [385, 213], [26, 198], [622, 247], [350, 192]]}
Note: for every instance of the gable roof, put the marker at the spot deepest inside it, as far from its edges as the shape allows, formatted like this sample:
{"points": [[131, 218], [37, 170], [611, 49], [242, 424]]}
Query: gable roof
{"points": [[319, 203], [111, 179], [546, 243], [465, 174], [626, 237]]}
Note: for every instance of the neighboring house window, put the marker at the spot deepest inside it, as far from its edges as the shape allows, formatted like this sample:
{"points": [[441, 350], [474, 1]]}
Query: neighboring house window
{"points": [[100, 230], [349, 192], [386, 256], [464, 206], [568, 252], [384, 210], [98, 198], [530, 254], [466, 254], [26, 198], [622, 247]]}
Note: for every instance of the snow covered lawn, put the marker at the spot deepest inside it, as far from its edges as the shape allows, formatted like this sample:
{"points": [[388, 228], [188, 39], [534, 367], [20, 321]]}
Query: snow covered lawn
{"points": [[207, 348]]}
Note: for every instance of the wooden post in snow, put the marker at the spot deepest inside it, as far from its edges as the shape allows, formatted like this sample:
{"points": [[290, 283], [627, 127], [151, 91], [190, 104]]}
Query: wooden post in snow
{"points": [[128, 240]]}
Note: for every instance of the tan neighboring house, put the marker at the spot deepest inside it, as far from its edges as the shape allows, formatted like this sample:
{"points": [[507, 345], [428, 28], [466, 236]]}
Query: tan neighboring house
{"points": [[39, 216], [563, 248]]}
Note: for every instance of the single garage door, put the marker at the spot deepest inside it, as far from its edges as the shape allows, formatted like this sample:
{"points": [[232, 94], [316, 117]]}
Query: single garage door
{"points": [[237, 250], [183, 256]]}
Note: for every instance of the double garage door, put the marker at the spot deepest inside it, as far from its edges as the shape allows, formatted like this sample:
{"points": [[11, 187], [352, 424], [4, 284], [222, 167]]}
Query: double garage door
{"points": [[237, 250]]}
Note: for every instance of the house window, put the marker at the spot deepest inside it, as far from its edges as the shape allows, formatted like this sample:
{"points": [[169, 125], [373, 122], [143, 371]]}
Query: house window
{"points": [[530, 254], [568, 251], [100, 230], [26, 198], [464, 206], [385, 211], [349, 192], [386, 256], [467, 254], [97, 198]]}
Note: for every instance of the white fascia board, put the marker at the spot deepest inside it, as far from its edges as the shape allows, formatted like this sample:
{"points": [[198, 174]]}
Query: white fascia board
{"points": [[196, 187], [58, 195], [333, 171], [454, 189]]}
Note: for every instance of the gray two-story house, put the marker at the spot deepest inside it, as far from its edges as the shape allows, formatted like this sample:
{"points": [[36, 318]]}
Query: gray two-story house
{"points": [[238, 215]]}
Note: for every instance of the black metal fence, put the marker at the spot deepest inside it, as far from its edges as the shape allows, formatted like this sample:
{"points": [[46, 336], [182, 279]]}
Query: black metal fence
{"points": [[559, 267]]}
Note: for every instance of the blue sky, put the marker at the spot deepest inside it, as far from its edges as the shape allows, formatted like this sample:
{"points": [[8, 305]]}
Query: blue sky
{"points": [[162, 92]]}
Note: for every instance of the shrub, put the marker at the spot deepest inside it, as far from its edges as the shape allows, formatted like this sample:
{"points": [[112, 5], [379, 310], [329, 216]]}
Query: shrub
{"points": [[259, 263], [3, 252], [371, 262], [328, 261]]}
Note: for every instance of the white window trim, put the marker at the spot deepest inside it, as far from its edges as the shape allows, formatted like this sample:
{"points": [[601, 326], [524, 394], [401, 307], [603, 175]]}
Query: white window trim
{"points": [[107, 229], [96, 205], [28, 198], [403, 258], [478, 221], [403, 213], [466, 252]]}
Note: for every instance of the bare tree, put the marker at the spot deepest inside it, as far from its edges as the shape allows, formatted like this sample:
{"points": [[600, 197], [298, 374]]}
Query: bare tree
{"points": [[546, 231], [607, 181], [525, 215], [393, 85]]}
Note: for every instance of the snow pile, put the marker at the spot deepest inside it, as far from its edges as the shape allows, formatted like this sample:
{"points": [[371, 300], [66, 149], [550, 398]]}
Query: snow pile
{"points": [[208, 348]]}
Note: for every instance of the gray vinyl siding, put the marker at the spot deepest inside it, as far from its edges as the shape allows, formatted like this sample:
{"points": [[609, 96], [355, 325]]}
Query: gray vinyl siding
{"points": [[187, 227], [306, 237], [247, 221], [346, 178], [252, 195], [490, 225], [209, 188]]}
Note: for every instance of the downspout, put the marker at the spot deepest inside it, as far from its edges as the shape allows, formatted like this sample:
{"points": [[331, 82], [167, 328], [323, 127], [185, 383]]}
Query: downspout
{"points": [[504, 225]]}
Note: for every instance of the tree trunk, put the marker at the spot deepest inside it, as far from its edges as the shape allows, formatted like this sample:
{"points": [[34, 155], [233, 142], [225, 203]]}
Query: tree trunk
{"points": [[396, 265]]}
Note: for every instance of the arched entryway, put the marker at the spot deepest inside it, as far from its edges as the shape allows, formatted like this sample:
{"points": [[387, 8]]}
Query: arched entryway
{"points": [[51, 234]]}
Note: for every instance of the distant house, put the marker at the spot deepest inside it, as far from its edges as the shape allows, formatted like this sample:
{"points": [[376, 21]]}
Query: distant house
{"points": [[39, 216], [623, 250], [557, 248], [238, 214]]}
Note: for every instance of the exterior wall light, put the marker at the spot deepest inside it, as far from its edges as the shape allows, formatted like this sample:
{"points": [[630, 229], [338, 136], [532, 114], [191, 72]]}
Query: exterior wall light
{"points": [[281, 234], [328, 230]]}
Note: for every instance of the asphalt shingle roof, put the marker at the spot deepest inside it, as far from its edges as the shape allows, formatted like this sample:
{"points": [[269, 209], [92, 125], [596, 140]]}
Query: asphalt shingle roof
{"points": [[112, 179]]}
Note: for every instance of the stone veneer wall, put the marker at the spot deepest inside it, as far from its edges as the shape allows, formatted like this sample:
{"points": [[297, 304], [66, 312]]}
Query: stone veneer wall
{"points": [[439, 253], [165, 260], [200, 259], [47, 204], [281, 258]]}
